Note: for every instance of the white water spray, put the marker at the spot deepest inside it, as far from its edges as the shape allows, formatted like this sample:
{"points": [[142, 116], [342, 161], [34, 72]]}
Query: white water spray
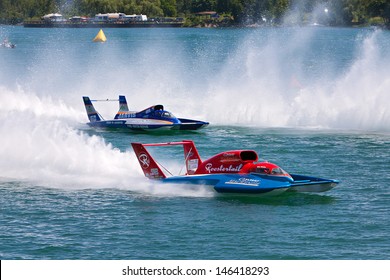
{"points": [[40, 144], [267, 90]]}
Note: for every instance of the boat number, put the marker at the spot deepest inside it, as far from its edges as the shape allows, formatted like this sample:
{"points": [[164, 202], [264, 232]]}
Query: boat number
{"points": [[144, 160]]}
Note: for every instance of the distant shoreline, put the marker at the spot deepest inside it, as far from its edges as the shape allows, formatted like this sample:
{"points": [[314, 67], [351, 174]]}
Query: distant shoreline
{"points": [[141, 24], [41, 24]]}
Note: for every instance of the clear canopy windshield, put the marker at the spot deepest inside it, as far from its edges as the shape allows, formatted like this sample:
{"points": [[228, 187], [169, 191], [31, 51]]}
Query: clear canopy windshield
{"points": [[166, 114], [271, 171], [163, 114]]}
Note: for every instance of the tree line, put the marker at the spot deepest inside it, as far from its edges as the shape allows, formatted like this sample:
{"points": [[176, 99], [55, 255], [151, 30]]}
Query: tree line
{"points": [[245, 12]]}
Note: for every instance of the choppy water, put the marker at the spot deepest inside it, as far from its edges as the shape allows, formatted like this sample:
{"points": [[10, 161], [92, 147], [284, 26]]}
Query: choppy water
{"points": [[313, 100]]}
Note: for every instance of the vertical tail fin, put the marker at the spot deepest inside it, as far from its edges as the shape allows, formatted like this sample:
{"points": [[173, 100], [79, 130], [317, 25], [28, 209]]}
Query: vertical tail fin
{"points": [[93, 115], [191, 156], [123, 108], [148, 164], [123, 104]]}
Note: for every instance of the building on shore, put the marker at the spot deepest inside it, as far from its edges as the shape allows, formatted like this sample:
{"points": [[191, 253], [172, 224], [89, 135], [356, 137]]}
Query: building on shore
{"points": [[104, 20]]}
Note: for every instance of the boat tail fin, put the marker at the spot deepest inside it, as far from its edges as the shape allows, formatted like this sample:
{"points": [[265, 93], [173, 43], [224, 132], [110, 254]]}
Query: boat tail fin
{"points": [[93, 115], [123, 104], [191, 157], [123, 108], [148, 164]]}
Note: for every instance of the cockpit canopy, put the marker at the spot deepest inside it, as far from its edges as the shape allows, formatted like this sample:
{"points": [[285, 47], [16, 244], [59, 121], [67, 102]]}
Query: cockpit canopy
{"points": [[268, 168], [158, 112], [163, 114]]}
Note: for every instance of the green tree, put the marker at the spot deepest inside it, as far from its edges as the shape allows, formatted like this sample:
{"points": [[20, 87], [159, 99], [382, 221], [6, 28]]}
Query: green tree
{"points": [[386, 14], [183, 6], [277, 9], [243, 11], [169, 8], [203, 5], [378, 8], [151, 8], [237, 10]]}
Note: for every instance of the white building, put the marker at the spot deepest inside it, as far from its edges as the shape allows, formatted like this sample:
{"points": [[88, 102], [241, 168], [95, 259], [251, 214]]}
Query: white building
{"points": [[119, 17], [136, 18]]}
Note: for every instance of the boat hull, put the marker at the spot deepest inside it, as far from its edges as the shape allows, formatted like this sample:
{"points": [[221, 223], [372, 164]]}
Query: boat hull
{"points": [[234, 183], [303, 183], [148, 125], [256, 184]]}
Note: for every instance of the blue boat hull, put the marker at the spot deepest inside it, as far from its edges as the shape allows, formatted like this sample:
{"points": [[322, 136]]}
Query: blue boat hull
{"points": [[303, 183], [233, 183], [256, 184], [123, 124]]}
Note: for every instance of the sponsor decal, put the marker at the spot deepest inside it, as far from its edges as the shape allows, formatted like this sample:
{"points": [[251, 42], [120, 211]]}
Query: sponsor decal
{"points": [[244, 181], [90, 109], [154, 171], [144, 161], [127, 115], [230, 157], [154, 174], [231, 168], [137, 126]]}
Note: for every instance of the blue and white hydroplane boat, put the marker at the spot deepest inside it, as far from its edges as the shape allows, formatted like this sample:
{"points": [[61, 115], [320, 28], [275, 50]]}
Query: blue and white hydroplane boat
{"points": [[152, 118]]}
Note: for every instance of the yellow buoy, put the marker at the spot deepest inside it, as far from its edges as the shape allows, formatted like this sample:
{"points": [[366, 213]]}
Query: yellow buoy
{"points": [[100, 37]]}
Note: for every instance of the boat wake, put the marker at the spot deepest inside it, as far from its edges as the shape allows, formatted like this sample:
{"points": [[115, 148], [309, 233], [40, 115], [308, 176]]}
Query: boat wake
{"points": [[41, 145]]}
